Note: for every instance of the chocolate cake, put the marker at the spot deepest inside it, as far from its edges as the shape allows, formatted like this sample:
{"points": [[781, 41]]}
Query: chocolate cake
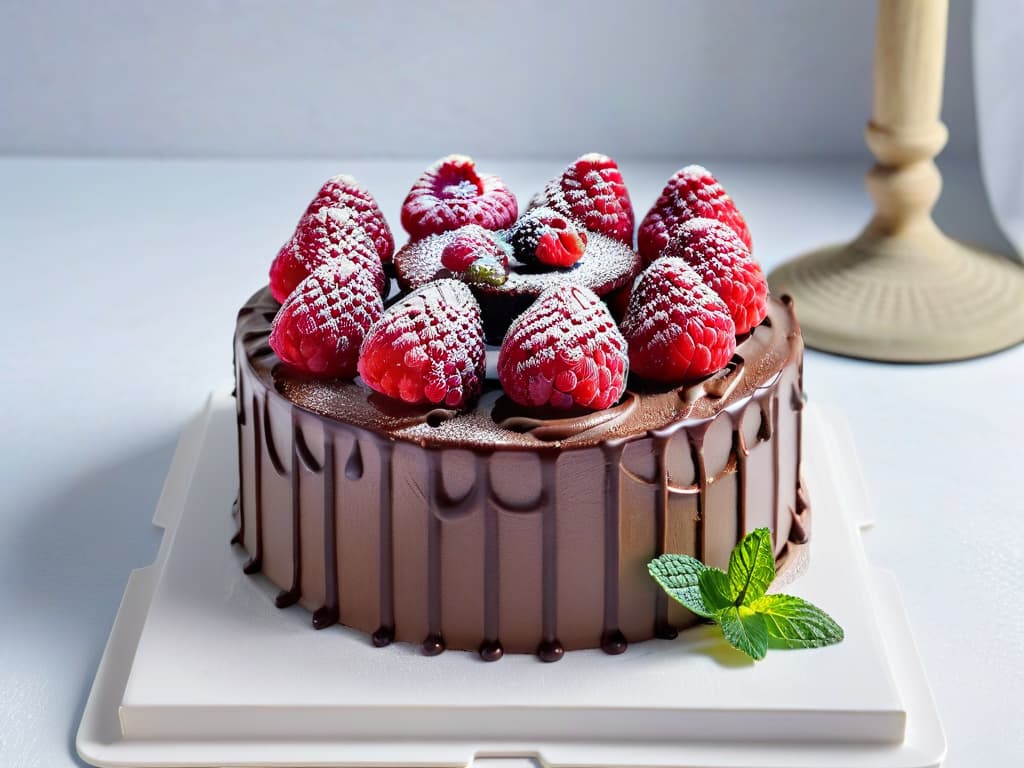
{"points": [[498, 527]]}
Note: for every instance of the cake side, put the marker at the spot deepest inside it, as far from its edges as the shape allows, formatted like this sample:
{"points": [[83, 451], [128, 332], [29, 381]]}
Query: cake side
{"points": [[495, 532]]}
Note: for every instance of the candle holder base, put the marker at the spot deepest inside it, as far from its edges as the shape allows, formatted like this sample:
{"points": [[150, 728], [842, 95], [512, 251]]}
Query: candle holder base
{"points": [[915, 296]]}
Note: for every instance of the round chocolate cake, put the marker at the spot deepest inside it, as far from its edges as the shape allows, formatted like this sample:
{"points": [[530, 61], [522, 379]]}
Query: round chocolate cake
{"points": [[496, 526]]}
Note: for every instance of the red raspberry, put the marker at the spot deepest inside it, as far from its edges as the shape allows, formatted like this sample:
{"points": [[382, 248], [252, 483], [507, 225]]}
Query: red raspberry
{"points": [[564, 351], [427, 348], [723, 262], [691, 193], [343, 191], [678, 329], [451, 194], [591, 191], [543, 236], [329, 233], [321, 325], [475, 256]]}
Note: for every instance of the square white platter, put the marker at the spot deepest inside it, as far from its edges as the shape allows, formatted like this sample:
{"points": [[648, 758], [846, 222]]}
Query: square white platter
{"points": [[202, 670]]}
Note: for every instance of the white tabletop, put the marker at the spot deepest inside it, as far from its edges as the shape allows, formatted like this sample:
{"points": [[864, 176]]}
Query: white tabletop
{"points": [[123, 279]]}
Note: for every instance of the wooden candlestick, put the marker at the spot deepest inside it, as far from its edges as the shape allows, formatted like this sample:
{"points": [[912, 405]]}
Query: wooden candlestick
{"points": [[903, 291]]}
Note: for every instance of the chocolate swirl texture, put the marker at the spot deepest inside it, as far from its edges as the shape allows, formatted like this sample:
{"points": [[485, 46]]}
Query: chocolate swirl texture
{"points": [[503, 531]]}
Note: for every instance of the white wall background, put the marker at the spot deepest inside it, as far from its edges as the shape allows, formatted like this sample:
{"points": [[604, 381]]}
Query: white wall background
{"points": [[741, 78]]}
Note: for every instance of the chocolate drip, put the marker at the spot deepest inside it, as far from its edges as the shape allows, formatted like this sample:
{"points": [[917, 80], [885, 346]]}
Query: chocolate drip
{"points": [[776, 486], [236, 511], [701, 480], [550, 648], [239, 537], [660, 441], [766, 430], [799, 533], [262, 352], [612, 639], [508, 415], [255, 562], [268, 438], [491, 649], [240, 399], [354, 465], [740, 451], [385, 633], [434, 642], [328, 613], [447, 507], [260, 334], [292, 594], [433, 645], [302, 449]]}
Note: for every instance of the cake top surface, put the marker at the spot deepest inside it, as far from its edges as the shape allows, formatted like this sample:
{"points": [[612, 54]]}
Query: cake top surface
{"points": [[593, 337]]}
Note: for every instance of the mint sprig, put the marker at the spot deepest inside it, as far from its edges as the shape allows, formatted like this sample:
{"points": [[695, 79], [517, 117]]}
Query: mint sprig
{"points": [[751, 620]]}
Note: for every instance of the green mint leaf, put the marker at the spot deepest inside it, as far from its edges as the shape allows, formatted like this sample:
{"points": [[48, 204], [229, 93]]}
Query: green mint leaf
{"points": [[751, 567], [714, 589], [679, 576], [795, 623], [745, 630]]}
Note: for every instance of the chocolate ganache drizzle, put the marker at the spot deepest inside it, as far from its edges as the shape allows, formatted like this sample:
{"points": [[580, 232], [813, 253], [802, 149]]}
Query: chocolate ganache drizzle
{"points": [[501, 530]]}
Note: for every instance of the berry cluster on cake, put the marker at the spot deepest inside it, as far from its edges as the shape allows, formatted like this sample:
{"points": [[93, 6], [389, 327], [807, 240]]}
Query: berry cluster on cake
{"points": [[480, 441]]}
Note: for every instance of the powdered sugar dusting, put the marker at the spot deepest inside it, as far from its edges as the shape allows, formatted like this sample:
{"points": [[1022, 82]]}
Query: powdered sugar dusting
{"points": [[725, 265], [678, 329], [564, 351], [606, 265], [592, 192], [321, 237], [692, 192], [322, 323], [345, 194], [427, 348], [450, 194]]}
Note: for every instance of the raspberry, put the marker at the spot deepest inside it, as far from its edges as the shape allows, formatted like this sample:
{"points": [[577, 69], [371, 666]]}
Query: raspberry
{"points": [[543, 236], [329, 233], [476, 256], [427, 348], [678, 329], [564, 351], [691, 193], [321, 325], [723, 262], [343, 191], [591, 191], [451, 194]]}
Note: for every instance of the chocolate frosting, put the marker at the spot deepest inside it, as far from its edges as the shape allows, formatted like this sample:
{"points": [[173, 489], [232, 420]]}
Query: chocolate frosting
{"points": [[501, 529]]}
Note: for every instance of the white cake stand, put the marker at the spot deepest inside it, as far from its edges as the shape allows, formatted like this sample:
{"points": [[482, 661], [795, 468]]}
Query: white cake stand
{"points": [[201, 669]]}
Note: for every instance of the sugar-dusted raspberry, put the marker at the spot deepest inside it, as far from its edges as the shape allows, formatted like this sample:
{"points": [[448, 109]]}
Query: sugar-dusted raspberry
{"points": [[427, 348], [591, 190], [723, 262], [344, 191], [451, 194], [329, 233], [564, 351], [321, 324], [544, 236], [476, 256], [678, 329], [691, 193]]}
